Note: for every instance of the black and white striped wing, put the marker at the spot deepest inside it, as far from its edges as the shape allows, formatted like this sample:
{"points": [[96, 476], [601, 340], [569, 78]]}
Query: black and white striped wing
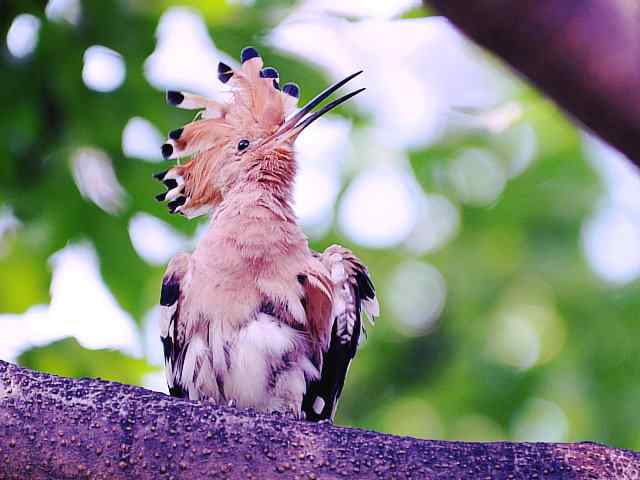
{"points": [[353, 293], [171, 331]]}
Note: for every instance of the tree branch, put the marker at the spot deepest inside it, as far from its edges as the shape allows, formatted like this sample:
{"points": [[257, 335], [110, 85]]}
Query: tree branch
{"points": [[585, 54], [52, 427]]}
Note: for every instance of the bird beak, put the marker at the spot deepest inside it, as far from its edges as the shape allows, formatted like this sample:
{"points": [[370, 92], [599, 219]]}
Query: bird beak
{"points": [[293, 126]]}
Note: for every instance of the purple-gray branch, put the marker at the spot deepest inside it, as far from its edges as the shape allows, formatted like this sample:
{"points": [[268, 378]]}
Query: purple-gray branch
{"points": [[53, 427], [585, 54]]}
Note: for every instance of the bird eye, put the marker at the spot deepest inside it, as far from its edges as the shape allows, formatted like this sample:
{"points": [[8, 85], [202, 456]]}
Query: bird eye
{"points": [[243, 144]]}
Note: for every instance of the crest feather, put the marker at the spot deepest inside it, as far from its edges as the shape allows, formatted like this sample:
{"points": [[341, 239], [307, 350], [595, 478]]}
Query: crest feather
{"points": [[256, 105]]}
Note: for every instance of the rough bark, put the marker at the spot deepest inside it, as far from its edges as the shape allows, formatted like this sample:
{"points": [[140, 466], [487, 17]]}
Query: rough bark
{"points": [[54, 428], [585, 54]]}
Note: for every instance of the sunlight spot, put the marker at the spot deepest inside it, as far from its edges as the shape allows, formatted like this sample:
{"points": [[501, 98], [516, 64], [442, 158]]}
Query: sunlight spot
{"points": [[81, 302], [140, 139], [611, 235], [22, 36], [151, 337], [81, 307], [185, 56], [321, 153], [416, 293], [96, 180], [620, 176], [154, 240], [414, 78], [314, 195], [477, 176], [361, 8], [514, 341], [67, 10], [526, 331], [438, 222], [103, 70], [540, 420], [33, 328], [378, 208], [501, 118], [519, 145], [610, 241]]}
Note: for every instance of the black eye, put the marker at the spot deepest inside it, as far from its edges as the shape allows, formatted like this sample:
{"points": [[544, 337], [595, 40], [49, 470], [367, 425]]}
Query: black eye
{"points": [[243, 144]]}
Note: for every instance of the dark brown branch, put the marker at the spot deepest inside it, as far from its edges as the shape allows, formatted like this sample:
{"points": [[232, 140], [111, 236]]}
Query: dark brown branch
{"points": [[585, 54], [52, 427]]}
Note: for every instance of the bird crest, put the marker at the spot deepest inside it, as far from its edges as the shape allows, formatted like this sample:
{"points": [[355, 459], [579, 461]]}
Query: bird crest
{"points": [[255, 127]]}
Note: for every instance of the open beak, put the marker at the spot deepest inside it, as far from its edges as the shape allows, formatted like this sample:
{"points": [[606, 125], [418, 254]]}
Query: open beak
{"points": [[291, 128]]}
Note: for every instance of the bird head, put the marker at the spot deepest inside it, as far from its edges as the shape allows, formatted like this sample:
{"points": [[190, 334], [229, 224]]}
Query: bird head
{"points": [[254, 130]]}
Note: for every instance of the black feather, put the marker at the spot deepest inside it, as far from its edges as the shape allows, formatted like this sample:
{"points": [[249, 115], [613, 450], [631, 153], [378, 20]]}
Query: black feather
{"points": [[167, 150], [291, 89], [177, 391], [171, 183], [248, 53], [174, 98], [335, 363], [160, 175], [267, 307], [224, 72], [173, 350], [176, 134], [365, 286], [336, 360], [170, 292], [269, 72], [167, 347], [176, 203]]}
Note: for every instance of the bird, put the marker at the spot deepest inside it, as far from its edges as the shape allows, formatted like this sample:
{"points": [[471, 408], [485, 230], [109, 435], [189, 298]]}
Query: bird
{"points": [[252, 317]]}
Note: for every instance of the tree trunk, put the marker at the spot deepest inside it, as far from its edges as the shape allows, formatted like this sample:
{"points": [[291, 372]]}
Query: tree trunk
{"points": [[585, 54], [54, 428]]}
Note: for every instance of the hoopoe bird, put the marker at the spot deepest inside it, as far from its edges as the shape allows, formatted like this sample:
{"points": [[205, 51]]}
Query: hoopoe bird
{"points": [[252, 317]]}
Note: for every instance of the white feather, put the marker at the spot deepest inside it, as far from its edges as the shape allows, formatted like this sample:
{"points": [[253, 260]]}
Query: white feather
{"points": [[318, 405]]}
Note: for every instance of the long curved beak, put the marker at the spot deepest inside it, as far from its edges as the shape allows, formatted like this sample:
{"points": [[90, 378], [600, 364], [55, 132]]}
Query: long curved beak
{"points": [[305, 117]]}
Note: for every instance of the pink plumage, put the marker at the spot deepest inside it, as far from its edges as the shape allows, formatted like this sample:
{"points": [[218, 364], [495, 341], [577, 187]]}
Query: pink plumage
{"points": [[253, 317]]}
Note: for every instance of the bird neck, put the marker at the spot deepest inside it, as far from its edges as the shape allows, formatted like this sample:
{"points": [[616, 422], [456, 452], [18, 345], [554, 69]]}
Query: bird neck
{"points": [[256, 214]]}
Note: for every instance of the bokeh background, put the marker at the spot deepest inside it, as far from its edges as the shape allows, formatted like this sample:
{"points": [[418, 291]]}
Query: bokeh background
{"points": [[503, 240]]}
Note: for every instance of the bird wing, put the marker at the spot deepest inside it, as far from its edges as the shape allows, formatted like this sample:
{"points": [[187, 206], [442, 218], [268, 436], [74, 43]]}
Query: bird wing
{"points": [[171, 331], [353, 292]]}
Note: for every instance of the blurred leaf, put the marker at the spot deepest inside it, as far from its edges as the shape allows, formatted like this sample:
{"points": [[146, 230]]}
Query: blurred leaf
{"points": [[67, 358]]}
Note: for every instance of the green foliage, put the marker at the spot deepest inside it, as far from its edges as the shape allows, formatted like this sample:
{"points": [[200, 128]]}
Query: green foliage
{"points": [[457, 380], [67, 358]]}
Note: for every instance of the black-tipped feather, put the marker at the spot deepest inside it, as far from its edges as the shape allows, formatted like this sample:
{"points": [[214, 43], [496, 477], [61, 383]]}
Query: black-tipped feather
{"points": [[224, 72], [176, 134], [173, 350], [171, 183], [269, 72], [174, 98], [160, 175], [176, 203], [170, 292], [291, 89], [167, 150], [248, 53]]}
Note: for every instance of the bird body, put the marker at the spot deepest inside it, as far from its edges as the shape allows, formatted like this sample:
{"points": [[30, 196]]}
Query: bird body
{"points": [[253, 317]]}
